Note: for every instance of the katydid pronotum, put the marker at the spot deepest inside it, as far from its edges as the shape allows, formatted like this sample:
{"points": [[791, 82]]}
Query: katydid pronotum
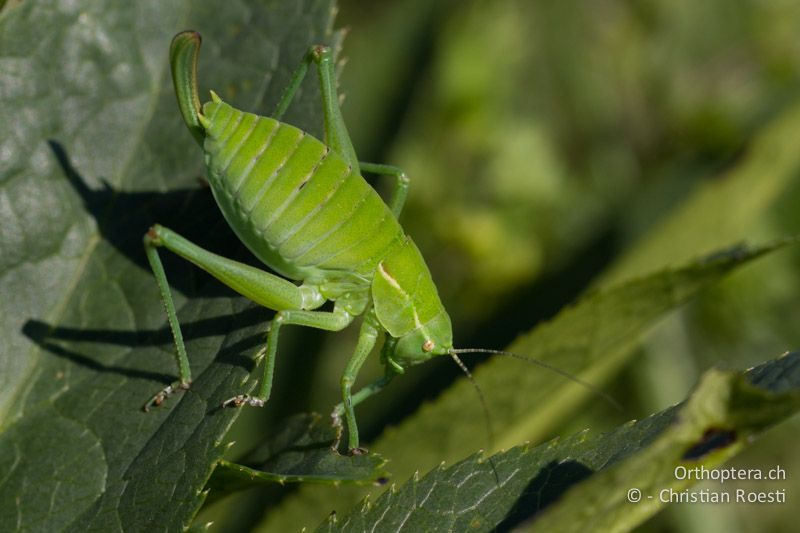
{"points": [[302, 208]]}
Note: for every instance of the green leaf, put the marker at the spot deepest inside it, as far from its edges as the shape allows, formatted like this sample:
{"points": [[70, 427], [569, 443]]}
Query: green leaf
{"points": [[95, 153], [582, 483], [299, 452], [592, 340]]}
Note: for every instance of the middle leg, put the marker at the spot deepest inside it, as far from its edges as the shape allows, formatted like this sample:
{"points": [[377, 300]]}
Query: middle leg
{"points": [[336, 320]]}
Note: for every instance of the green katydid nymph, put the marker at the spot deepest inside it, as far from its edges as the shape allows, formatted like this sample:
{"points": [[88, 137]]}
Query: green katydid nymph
{"points": [[302, 208]]}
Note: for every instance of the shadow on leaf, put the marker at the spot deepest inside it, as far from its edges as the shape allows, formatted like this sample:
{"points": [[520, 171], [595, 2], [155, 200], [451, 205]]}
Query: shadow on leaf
{"points": [[122, 218], [547, 486]]}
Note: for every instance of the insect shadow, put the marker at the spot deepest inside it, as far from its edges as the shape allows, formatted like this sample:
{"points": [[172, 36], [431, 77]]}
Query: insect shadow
{"points": [[48, 338], [122, 219]]}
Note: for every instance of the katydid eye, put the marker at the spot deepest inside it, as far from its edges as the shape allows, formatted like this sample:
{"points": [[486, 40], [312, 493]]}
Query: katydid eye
{"points": [[428, 345]]}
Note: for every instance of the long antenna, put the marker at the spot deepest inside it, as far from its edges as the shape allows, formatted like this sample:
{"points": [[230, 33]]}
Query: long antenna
{"points": [[539, 363], [485, 408]]}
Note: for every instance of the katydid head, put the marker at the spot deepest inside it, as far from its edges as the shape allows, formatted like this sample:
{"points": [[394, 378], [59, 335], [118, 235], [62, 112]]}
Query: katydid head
{"points": [[433, 338]]}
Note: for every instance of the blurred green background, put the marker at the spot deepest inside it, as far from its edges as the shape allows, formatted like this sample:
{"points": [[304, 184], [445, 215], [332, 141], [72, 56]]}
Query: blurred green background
{"points": [[544, 139]]}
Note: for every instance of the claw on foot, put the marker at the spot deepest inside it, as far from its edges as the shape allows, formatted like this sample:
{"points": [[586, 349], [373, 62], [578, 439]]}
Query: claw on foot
{"points": [[338, 427], [243, 399], [356, 451], [162, 396]]}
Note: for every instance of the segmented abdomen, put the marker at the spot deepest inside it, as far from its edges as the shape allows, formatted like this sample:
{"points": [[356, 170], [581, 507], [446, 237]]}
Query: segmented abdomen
{"points": [[295, 203]]}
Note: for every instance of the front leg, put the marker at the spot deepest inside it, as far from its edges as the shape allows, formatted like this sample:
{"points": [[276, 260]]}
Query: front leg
{"points": [[366, 341], [355, 399]]}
